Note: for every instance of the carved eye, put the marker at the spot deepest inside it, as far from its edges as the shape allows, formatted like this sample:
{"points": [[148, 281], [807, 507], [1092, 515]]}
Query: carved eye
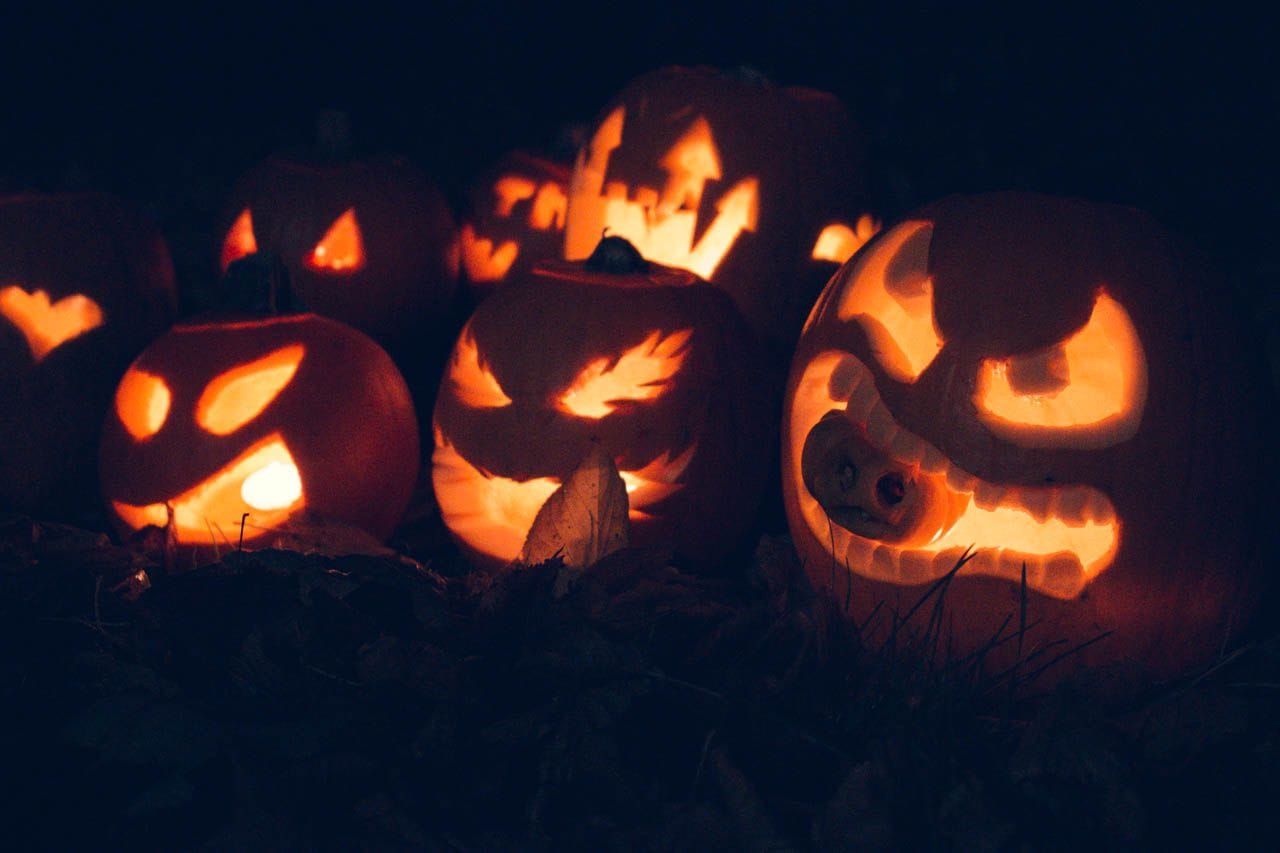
{"points": [[239, 395], [890, 293], [341, 250], [643, 372], [142, 403], [46, 325], [1087, 392], [240, 240], [472, 381]]}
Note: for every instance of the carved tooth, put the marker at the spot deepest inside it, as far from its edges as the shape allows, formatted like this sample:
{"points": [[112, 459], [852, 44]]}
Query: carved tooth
{"points": [[916, 567], [880, 426], [1008, 566], [1071, 501], [987, 495], [864, 399], [1062, 577], [932, 460], [846, 378], [946, 560], [959, 480], [1035, 500]]}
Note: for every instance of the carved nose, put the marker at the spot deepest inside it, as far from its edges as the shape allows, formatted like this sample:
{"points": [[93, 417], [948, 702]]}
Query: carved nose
{"points": [[860, 488]]}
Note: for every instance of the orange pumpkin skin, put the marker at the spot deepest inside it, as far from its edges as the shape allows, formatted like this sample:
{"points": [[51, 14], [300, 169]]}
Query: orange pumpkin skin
{"points": [[743, 212], [693, 417], [515, 220], [85, 283], [1005, 276], [340, 409], [402, 281]]}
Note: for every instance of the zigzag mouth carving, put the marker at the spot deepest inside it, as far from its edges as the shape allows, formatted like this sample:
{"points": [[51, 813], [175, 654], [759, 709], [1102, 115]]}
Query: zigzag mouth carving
{"points": [[893, 508]]}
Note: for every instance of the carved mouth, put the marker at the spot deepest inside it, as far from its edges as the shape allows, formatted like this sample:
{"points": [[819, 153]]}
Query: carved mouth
{"points": [[493, 514], [1065, 535], [263, 482]]}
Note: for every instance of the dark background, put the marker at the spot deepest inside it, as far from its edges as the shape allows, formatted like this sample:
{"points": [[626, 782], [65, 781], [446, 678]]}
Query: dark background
{"points": [[1169, 111]]}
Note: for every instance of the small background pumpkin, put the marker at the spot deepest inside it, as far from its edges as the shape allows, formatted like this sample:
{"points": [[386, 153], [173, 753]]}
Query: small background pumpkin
{"points": [[923, 406], [86, 282]]}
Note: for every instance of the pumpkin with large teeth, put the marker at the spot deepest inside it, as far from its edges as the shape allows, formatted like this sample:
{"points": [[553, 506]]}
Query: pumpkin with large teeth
{"points": [[646, 360], [1052, 388]]}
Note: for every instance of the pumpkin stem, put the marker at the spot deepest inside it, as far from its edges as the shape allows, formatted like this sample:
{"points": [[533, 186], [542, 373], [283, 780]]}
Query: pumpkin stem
{"points": [[259, 285], [616, 255]]}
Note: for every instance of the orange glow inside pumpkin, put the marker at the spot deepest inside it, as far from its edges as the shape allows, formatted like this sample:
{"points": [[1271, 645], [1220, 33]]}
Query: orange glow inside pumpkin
{"points": [[493, 514], [48, 325], [142, 403], [1088, 391], [263, 481], [838, 242], [661, 224], [239, 395], [482, 259], [240, 240], [1066, 535], [341, 249], [485, 261], [472, 381], [641, 373], [890, 293]]}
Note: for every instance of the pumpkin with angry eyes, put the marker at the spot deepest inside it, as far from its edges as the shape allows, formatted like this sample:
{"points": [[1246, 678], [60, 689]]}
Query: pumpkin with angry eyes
{"points": [[1056, 385], [259, 419], [85, 283], [756, 188], [644, 360]]}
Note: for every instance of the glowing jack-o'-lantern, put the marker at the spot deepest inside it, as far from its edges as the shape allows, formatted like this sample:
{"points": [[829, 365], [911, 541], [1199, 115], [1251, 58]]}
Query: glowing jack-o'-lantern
{"points": [[647, 361], [753, 187], [516, 219], [253, 422], [85, 284], [370, 242], [1053, 384]]}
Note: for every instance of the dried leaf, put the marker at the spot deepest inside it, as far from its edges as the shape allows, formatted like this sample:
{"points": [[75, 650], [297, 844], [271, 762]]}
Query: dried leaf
{"points": [[325, 537], [583, 520]]}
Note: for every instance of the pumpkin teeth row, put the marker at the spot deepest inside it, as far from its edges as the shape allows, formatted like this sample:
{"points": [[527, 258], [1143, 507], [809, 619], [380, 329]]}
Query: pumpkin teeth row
{"points": [[1082, 515]]}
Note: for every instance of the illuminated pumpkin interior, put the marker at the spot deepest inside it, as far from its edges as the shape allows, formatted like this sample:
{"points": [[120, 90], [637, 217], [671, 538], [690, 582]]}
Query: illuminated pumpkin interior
{"points": [[240, 240], [341, 250], [890, 293], [263, 481], [1088, 391], [471, 379], [47, 325], [493, 514], [660, 223], [142, 403], [485, 261], [641, 373], [239, 395], [1066, 535], [838, 242]]}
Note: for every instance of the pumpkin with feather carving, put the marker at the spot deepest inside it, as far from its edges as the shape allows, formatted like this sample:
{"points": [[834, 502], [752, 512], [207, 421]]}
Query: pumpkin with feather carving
{"points": [[644, 360], [85, 283], [1054, 384]]}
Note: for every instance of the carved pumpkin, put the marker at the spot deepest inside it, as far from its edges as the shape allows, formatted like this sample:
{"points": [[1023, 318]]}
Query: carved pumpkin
{"points": [[1053, 383], [268, 417], [370, 242], [754, 187], [85, 284], [655, 366], [516, 219]]}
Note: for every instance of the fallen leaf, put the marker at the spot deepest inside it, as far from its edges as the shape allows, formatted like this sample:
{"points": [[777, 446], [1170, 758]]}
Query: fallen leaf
{"points": [[582, 521]]}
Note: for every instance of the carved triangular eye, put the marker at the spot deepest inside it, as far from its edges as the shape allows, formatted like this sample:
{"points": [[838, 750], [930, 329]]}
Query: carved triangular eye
{"points": [[239, 395], [890, 292], [341, 250], [240, 240], [47, 325], [1088, 391], [142, 403], [472, 380]]}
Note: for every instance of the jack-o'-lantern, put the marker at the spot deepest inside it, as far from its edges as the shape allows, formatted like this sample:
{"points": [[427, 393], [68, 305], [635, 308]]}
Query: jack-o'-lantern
{"points": [[85, 284], [239, 426], [516, 219], [1055, 385], [754, 187], [369, 241], [645, 360]]}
